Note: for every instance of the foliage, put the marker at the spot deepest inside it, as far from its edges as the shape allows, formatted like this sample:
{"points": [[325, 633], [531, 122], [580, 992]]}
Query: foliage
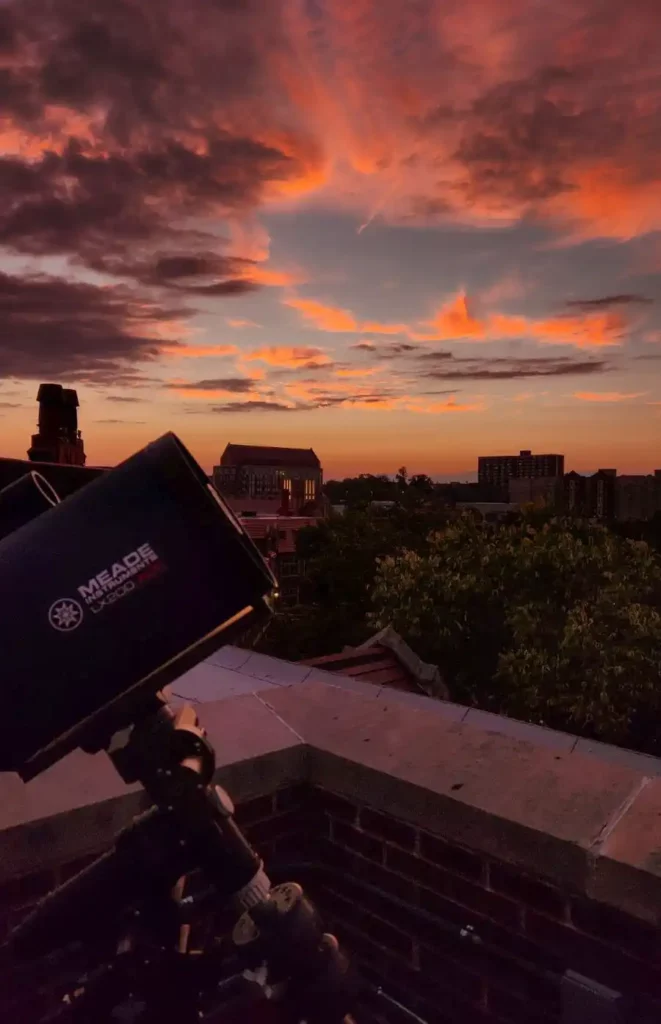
{"points": [[341, 556], [546, 619], [359, 491]]}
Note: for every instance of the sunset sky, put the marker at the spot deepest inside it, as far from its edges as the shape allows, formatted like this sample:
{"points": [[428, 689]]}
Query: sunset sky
{"points": [[397, 231]]}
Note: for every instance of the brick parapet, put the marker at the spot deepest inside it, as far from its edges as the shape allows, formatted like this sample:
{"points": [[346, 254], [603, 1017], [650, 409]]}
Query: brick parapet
{"points": [[405, 834]]}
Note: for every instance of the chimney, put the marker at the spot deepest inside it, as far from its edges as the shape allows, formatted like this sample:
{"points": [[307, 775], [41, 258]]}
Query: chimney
{"points": [[58, 439]]}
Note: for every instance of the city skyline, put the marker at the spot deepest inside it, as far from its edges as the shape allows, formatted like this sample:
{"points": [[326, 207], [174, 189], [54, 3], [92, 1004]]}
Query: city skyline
{"points": [[398, 233]]}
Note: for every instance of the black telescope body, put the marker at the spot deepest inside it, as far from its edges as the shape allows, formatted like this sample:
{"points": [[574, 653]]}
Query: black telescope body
{"points": [[24, 500], [112, 594]]}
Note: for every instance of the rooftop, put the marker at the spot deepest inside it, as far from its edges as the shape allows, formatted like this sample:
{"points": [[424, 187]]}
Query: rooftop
{"points": [[262, 455], [473, 865], [384, 660]]}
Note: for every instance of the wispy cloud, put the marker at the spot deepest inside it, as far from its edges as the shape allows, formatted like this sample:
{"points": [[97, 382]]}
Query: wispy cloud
{"points": [[446, 366], [289, 355], [608, 301], [457, 319], [240, 322], [199, 351], [323, 317], [607, 396]]}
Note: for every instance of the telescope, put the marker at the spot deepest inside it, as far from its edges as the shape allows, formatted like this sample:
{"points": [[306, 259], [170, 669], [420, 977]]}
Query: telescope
{"points": [[107, 597]]}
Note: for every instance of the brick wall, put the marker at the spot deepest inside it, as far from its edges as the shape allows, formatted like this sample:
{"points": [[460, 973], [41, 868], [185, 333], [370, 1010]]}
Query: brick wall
{"points": [[397, 896]]}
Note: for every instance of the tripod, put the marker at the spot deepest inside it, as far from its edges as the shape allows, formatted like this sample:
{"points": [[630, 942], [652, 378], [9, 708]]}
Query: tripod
{"points": [[136, 893]]}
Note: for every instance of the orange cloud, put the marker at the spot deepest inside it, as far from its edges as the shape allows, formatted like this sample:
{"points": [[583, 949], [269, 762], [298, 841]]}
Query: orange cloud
{"points": [[439, 408], [607, 396], [454, 320], [286, 355], [457, 321], [199, 351], [239, 322], [596, 330], [272, 278], [324, 318], [611, 201]]}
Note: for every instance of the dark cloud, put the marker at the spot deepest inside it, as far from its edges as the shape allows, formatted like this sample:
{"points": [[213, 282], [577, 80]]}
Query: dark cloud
{"points": [[122, 398], [607, 301], [192, 274], [516, 138], [255, 406], [240, 385], [524, 139], [502, 368], [101, 207], [132, 422], [364, 346], [121, 108], [55, 328], [10, 405]]}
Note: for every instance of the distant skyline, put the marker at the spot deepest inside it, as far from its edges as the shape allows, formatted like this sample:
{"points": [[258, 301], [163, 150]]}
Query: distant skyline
{"points": [[401, 232]]}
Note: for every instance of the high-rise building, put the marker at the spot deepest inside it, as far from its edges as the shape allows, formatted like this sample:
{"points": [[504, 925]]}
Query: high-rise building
{"points": [[494, 472], [58, 439], [260, 479]]}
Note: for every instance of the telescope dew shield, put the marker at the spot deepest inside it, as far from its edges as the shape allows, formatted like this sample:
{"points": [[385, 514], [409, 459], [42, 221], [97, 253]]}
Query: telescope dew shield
{"points": [[24, 500], [117, 591]]}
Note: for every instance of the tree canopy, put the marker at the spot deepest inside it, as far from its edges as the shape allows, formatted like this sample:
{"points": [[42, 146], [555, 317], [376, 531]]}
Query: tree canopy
{"points": [[341, 557], [550, 620]]}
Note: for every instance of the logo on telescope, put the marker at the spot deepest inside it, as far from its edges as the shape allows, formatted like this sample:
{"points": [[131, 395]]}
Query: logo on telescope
{"points": [[65, 615]]}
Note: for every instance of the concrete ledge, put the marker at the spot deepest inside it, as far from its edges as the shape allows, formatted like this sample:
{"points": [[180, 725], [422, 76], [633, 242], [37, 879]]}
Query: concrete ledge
{"points": [[587, 824], [529, 805]]}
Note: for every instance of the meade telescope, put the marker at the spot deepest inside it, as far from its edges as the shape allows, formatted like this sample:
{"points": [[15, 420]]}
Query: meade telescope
{"points": [[113, 593]]}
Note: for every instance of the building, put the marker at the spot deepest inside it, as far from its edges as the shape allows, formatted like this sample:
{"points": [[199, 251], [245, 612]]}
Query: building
{"points": [[574, 496], [542, 491], [57, 450], [601, 494], [589, 497], [257, 479], [638, 497], [385, 660], [58, 439], [496, 471], [275, 537]]}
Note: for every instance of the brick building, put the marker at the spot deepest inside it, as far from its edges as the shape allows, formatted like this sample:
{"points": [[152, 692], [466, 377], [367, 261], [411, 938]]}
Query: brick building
{"points": [[257, 478], [590, 497], [637, 497], [495, 471], [275, 536], [539, 491], [478, 870]]}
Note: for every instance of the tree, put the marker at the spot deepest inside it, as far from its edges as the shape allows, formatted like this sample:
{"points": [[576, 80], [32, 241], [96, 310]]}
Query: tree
{"points": [[360, 490], [341, 555], [554, 621]]}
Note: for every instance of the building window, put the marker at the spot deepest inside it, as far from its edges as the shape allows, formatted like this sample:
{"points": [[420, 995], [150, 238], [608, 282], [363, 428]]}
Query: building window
{"points": [[310, 490], [288, 567]]}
